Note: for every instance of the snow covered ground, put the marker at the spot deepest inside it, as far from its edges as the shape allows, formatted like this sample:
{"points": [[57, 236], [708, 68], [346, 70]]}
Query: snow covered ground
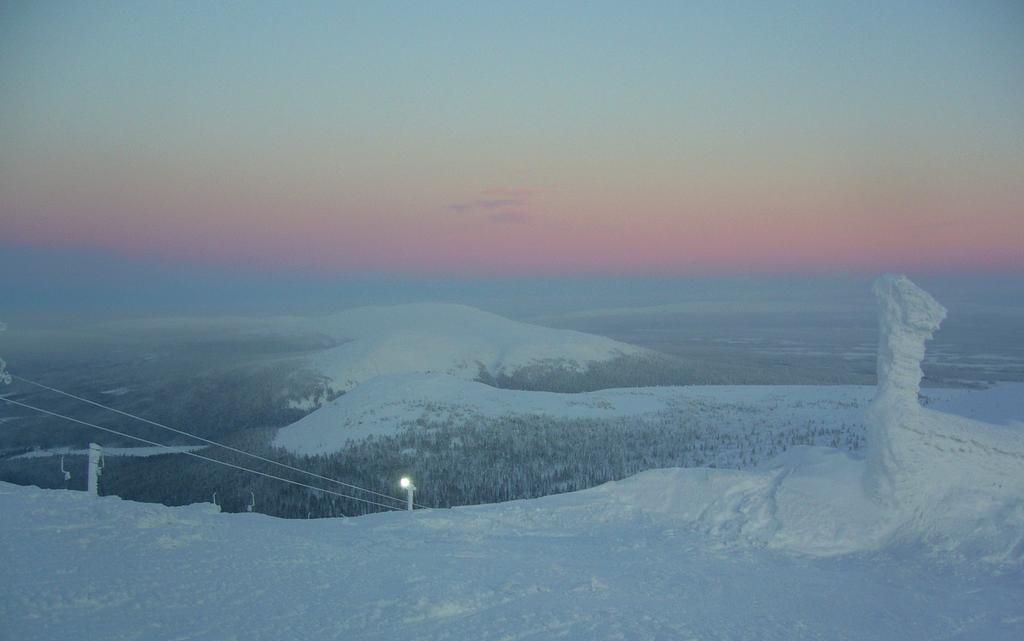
{"points": [[597, 564], [1000, 403]]}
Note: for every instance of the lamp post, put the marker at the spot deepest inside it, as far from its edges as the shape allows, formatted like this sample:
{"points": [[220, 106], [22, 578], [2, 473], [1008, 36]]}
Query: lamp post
{"points": [[409, 488]]}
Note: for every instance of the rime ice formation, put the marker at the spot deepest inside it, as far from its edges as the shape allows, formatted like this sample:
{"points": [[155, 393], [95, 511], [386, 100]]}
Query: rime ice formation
{"points": [[907, 317], [954, 482]]}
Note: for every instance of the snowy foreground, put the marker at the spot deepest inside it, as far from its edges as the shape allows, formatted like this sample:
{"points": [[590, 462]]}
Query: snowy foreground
{"points": [[921, 537], [614, 562]]}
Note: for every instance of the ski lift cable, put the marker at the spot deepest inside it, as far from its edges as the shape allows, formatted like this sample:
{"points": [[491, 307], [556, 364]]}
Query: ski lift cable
{"points": [[193, 454], [205, 440]]}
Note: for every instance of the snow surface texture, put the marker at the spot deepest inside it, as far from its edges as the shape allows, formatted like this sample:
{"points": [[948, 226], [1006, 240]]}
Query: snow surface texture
{"points": [[615, 562], [446, 338], [1002, 403]]}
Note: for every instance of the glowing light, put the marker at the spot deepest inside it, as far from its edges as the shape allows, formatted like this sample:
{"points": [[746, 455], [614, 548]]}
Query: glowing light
{"points": [[404, 482]]}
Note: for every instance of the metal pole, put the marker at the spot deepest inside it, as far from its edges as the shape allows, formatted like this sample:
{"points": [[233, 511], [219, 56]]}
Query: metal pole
{"points": [[406, 483], [95, 452], [67, 474]]}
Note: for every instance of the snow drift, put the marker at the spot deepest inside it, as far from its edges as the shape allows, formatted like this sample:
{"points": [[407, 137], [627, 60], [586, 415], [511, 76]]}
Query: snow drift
{"points": [[577, 566]]}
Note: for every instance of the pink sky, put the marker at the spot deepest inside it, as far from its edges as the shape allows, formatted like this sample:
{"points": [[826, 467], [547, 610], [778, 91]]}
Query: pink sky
{"points": [[682, 139], [558, 228]]}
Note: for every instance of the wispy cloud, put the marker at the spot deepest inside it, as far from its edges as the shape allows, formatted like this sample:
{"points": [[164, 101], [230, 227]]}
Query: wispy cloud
{"points": [[510, 217], [514, 192], [500, 205], [484, 204]]}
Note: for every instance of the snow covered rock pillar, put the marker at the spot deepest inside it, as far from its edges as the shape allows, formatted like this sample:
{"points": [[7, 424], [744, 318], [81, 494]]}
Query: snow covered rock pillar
{"points": [[907, 317]]}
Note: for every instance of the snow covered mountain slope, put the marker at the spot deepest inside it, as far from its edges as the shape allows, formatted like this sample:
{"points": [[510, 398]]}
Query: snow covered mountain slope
{"points": [[446, 338], [581, 566], [384, 404]]}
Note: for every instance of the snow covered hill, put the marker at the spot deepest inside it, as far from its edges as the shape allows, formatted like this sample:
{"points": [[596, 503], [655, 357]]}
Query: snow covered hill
{"points": [[364, 342], [386, 404], [447, 338]]}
